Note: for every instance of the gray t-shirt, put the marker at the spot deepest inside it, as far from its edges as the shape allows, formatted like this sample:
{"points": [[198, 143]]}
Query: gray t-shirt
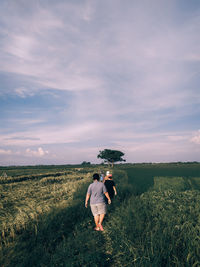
{"points": [[96, 191]]}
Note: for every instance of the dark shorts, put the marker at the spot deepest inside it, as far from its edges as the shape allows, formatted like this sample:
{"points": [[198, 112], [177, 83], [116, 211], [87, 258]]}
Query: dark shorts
{"points": [[111, 195]]}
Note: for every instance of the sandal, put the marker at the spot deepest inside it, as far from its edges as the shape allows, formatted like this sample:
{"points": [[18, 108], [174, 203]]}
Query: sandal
{"points": [[97, 229]]}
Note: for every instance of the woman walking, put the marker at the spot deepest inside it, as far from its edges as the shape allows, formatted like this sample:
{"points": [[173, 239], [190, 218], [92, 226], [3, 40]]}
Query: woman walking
{"points": [[96, 192], [110, 186]]}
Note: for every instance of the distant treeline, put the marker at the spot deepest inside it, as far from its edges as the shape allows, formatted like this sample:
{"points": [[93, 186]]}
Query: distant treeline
{"points": [[13, 167]]}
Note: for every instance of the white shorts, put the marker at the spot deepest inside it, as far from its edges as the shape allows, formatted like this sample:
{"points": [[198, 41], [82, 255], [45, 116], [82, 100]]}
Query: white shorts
{"points": [[98, 209]]}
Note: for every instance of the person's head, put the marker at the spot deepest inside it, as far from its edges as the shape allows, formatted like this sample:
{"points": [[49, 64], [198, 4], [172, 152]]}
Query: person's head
{"points": [[96, 176], [107, 173]]}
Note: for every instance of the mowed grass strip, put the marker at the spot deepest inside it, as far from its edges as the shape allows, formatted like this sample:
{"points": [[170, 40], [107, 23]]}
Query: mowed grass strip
{"points": [[176, 183], [26, 200], [167, 183]]}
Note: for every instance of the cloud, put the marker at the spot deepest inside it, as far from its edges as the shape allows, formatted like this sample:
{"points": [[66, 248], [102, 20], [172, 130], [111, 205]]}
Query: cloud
{"points": [[9, 152], [28, 121], [142, 61], [196, 139], [88, 11], [23, 92], [176, 138], [33, 50], [5, 152], [126, 73], [74, 133], [37, 153], [22, 138]]}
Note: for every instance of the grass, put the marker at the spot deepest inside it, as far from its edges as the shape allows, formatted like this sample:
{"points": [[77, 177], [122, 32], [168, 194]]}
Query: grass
{"points": [[15, 171], [28, 205], [160, 229], [154, 220], [166, 183]]}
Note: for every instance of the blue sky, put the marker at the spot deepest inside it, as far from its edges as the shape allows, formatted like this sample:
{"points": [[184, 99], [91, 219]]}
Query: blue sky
{"points": [[77, 77]]}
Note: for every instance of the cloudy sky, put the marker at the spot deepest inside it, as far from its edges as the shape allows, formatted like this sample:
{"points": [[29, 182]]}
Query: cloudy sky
{"points": [[79, 76]]}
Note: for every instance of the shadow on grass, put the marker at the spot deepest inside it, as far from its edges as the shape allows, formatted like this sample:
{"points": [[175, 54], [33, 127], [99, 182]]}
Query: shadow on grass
{"points": [[141, 177]]}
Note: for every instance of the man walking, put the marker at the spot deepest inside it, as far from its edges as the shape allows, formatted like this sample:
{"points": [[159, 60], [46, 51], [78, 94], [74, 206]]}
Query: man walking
{"points": [[95, 193]]}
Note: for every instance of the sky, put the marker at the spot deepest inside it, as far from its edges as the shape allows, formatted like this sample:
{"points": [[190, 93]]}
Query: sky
{"points": [[80, 76]]}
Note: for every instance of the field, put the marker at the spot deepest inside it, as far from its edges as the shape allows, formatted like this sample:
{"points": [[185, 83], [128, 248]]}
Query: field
{"points": [[154, 220]]}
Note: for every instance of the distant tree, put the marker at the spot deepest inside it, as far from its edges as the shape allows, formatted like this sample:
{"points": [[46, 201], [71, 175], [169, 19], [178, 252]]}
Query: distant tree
{"points": [[85, 163], [110, 156]]}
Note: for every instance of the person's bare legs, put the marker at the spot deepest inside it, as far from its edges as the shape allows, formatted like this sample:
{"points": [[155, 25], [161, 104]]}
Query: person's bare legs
{"points": [[101, 217], [97, 220]]}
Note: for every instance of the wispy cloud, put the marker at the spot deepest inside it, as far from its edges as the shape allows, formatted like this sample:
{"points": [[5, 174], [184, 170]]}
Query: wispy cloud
{"points": [[176, 138], [5, 152], [38, 153], [196, 138], [23, 92], [22, 138], [52, 135], [32, 49]]}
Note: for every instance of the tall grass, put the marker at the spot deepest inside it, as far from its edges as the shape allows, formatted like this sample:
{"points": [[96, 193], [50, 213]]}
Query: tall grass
{"points": [[157, 229]]}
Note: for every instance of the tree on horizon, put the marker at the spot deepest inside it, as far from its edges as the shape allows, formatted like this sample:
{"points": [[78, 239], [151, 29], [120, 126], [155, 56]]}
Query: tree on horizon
{"points": [[111, 156]]}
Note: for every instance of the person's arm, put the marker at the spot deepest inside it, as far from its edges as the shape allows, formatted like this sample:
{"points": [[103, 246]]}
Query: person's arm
{"points": [[86, 199], [107, 195], [114, 188]]}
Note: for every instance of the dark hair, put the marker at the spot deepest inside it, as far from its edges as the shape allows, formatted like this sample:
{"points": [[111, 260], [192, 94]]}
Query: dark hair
{"points": [[96, 176]]}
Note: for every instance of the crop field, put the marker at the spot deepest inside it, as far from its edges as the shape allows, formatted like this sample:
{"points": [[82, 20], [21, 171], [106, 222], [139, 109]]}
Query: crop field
{"points": [[153, 221]]}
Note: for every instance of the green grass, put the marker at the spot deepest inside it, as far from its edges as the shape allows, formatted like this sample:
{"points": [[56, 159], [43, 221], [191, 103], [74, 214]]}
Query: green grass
{"points": [[142, 175], [195, 183], [167, 183], [153, 221], [15, 171], [157, 229]]}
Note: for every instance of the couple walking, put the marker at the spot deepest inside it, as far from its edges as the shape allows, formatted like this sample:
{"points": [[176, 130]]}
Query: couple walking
{"points": [[100, 194]]}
